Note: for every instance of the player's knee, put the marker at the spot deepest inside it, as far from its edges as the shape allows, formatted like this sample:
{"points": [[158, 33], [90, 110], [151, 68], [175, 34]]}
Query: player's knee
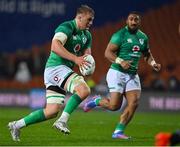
{"points": [[134, 104], [114, 107], [51, 114], [79, 86], [51, 111], [83, 91]]}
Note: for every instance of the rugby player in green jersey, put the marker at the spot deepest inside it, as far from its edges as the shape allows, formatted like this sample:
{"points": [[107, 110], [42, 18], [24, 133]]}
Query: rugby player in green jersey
{"points": [[70, 44], [124, 51]]}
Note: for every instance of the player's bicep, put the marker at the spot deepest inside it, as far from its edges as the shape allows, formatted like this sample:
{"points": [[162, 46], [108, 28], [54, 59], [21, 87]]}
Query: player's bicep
{"points": [[111, 47], [56, 45], [110, 52]]}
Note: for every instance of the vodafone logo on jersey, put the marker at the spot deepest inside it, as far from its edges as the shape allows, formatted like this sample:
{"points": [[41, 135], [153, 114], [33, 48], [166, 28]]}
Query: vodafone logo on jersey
{"points": [[77, 48], [136, 48]]}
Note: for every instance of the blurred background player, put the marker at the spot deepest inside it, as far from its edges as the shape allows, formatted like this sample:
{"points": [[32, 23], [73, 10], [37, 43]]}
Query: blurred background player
{"points": [[167, 138], [124, 51], [71, 42]]}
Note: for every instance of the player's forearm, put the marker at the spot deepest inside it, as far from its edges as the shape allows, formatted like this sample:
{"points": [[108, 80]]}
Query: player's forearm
{"points": [[110, 52], [59, 49], [150, 60]]}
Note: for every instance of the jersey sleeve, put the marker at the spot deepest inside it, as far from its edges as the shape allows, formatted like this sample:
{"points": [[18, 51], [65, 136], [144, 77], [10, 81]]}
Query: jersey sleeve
{"points": [[116, 38], [65, 28], [89, 41]]}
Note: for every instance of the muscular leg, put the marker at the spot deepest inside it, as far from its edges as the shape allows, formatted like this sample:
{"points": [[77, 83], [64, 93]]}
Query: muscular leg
{"points": [[132, 103], [81, 92], [76, 85], [50, 111], [114, 103]]}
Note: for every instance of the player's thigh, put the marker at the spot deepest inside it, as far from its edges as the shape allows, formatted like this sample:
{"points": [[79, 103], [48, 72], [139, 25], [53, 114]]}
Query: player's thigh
{"points": [[54, 101], [116, 99], [82, 90], [52, 109], [133, 97]]}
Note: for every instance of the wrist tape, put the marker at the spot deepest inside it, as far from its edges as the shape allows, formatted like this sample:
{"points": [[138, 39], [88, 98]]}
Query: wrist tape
{"points": [[119, 60]]}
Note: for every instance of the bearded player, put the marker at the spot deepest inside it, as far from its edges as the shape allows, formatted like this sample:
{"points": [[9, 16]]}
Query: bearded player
{"points": [[124, 51]]}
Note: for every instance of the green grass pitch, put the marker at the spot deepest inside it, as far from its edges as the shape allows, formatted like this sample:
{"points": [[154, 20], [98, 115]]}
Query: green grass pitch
{"points": [[88, 129]]}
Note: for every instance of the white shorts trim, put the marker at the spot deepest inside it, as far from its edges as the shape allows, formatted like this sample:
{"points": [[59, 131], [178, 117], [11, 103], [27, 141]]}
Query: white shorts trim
{"points": [[55, 101], [56, 75], [54, 97]]}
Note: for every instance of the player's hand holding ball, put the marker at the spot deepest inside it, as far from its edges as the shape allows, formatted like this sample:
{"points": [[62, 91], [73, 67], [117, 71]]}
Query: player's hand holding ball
{"points": [[88, 67]]}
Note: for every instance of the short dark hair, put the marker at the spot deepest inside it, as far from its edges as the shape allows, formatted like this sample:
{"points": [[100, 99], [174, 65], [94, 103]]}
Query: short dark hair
{"points": [[84, 9], [135, 12]]}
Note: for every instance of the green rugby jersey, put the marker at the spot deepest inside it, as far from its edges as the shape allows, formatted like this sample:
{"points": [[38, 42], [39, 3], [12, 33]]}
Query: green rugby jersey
{"points": [[77, 42], [131, 46]]}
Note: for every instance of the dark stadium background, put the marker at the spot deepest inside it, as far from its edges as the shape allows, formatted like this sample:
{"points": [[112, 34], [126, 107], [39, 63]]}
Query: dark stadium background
{"points": [[26, 30]]}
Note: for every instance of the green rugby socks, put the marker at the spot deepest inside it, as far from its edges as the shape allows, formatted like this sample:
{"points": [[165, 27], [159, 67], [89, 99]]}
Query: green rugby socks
{"points": [[71, 105], [119, 127], [34, 117]]}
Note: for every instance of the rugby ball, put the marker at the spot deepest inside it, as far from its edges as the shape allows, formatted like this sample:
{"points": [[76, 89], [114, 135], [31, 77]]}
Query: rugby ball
{"points": [[88, 70]]}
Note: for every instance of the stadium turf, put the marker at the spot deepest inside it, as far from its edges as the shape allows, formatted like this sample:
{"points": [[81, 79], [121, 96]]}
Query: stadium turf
{"points": [[88, 129]]}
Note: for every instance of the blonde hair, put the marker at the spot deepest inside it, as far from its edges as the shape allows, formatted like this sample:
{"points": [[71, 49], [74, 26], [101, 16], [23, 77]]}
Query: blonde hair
{"points": [[84, 9]]}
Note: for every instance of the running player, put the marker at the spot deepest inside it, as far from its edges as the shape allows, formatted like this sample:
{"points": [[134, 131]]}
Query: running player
{"points": [[71, 42], [124, 51]]}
